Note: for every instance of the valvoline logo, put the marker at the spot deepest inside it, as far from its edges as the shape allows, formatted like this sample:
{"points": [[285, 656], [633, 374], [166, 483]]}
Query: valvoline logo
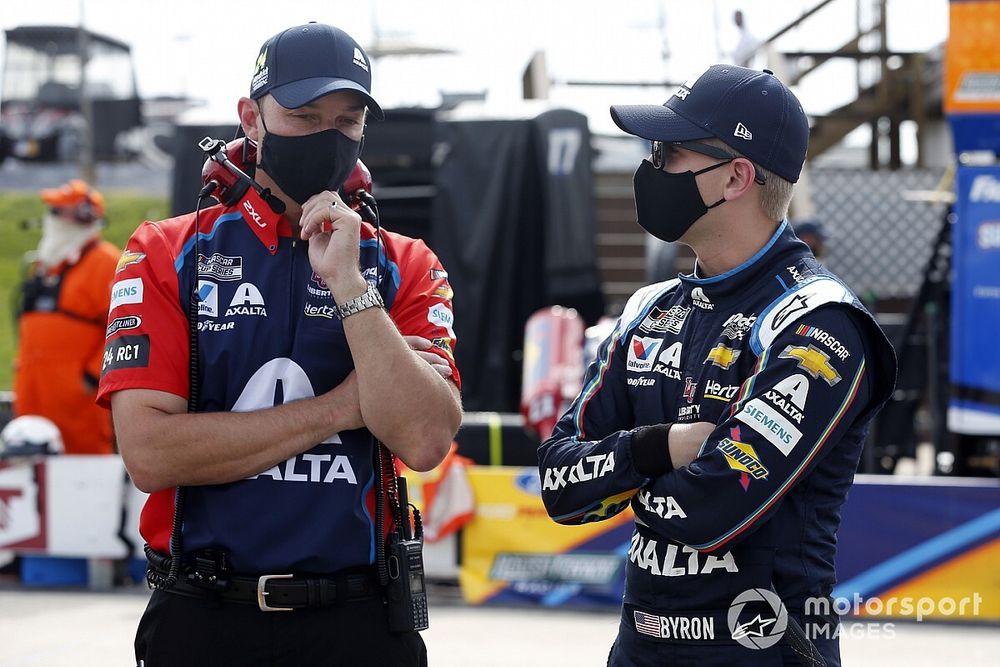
{"points": [[642, 353], [643, 348], [529, 482]]}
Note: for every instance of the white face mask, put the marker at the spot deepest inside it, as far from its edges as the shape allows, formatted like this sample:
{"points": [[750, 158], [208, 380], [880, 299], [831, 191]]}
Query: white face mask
{"points": [[63, 239]]}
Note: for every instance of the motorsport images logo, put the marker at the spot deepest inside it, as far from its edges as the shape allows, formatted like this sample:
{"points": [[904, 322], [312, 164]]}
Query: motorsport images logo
{"points": [[757, 619]]}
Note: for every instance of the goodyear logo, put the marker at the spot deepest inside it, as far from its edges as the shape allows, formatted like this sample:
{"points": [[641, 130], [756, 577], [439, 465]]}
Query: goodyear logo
{"points": [[722, 356], [741, 457], [813, 361], [128, 258]]}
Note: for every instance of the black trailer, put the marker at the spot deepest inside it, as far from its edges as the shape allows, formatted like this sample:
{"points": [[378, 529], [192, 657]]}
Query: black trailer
{"points": [[50, 75]]}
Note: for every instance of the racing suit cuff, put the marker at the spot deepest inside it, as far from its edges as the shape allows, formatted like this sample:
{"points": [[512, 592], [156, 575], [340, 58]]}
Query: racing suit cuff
{"points": [[651, 450]]}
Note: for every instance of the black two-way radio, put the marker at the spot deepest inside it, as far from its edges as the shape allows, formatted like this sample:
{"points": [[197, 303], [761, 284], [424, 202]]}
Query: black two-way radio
{"points": [[406, 592]]}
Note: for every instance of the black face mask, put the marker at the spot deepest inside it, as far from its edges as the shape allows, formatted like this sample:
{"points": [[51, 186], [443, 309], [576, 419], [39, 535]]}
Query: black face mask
{"points": [[668, 204], [309, 164]]}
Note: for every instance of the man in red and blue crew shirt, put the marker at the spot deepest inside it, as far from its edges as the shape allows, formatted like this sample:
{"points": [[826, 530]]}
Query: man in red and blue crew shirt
{"points": [[313, 338], [728, 407]]}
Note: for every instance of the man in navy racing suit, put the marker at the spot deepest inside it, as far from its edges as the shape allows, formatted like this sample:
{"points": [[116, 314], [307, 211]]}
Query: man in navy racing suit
{"points": [[728, 407]]}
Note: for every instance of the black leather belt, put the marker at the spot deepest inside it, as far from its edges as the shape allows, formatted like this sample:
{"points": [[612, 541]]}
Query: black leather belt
{"points": [[279, 592]]}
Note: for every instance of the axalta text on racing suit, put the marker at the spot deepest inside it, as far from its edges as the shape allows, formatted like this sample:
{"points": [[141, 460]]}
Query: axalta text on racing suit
{"points": [[783, 358]]}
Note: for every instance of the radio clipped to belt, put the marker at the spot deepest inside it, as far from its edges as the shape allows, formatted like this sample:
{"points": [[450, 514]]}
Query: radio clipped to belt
{"points": [[401, 561]]}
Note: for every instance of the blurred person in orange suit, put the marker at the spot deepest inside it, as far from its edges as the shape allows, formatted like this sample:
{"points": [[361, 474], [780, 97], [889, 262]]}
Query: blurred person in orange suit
{"points": [[63, 310]]}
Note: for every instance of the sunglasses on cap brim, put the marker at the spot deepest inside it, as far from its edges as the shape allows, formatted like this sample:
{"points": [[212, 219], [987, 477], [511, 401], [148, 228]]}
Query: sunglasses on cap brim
{"points": [[657, 151]]}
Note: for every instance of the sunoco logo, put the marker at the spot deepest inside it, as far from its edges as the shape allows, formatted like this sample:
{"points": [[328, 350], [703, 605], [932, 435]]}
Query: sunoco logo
{"points": [[757, 618]]}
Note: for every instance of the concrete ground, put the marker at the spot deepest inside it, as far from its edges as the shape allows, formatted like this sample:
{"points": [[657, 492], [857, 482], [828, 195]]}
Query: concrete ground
{"points": [[42, 628]]}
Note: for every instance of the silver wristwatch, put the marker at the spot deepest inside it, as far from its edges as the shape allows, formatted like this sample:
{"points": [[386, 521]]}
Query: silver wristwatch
{"points": [[370, 299]]}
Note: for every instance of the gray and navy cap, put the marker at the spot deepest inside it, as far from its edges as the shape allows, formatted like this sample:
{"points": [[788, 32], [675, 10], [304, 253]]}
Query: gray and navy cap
{"points": [[306, 62]]}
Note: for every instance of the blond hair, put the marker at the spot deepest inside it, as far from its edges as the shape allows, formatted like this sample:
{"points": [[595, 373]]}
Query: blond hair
{"points": [[776, 193]]}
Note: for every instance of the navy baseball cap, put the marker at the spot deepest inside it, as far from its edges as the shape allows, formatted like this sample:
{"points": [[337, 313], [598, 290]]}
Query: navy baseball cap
{"points": [[751, 111], [303, 63]]}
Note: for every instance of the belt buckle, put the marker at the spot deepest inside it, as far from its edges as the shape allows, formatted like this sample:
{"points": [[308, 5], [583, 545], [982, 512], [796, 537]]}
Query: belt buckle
{"points": [[262, 592]]}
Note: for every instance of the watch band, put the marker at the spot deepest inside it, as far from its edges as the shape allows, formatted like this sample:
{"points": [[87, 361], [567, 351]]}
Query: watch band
{"points": [[370, 299]]}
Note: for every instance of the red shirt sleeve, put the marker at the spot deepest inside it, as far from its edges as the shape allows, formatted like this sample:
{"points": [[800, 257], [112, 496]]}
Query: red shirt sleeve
{"points": [[147, 340], [422, 306]]}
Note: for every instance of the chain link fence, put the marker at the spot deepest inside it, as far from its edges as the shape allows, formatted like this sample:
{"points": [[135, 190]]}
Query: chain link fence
{"points": [[878, 240]]}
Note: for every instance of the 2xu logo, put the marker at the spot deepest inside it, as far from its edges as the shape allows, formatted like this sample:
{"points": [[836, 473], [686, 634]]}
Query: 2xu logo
{"points": [[254, 215]]}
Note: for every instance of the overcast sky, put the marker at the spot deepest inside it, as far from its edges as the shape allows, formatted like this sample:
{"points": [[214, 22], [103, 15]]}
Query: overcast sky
{"points": [[206, 48]]}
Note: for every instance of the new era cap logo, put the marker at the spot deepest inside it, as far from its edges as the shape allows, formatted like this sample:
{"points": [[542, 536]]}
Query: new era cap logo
{"points": [[742, 132], [359, 59]]}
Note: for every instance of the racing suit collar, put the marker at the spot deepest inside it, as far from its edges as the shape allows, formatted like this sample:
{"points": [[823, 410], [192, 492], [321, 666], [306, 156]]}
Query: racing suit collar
{"points": [[262, 220], [704, 292]]}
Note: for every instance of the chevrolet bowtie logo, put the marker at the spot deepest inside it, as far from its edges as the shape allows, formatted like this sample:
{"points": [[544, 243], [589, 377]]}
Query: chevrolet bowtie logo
{"points": [[813, 361], [722, 356]]}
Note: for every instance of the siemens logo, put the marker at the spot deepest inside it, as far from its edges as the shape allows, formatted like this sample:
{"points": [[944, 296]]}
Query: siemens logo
{"points": [[775, 428], [126, 291]]}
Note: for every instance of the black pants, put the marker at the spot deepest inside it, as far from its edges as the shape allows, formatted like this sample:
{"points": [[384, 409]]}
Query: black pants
{"points": [[177, 631]]}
